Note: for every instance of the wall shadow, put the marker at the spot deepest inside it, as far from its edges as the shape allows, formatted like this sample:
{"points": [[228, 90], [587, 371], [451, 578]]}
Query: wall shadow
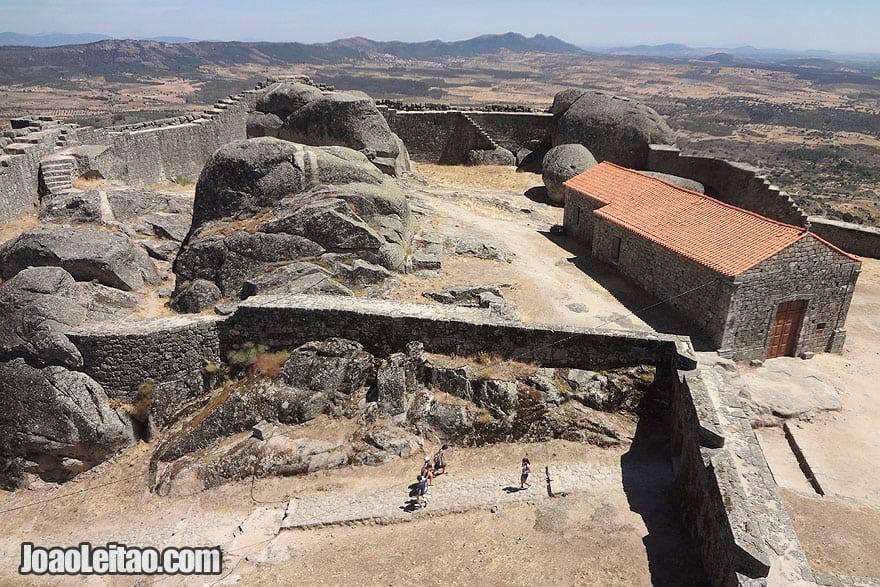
{"points": [[649, 485], [655, 313]]}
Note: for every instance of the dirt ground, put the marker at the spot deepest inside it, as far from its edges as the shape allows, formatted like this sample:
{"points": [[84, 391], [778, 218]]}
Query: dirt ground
{"points": [[612, 534], [622, 531], [840, 530]]}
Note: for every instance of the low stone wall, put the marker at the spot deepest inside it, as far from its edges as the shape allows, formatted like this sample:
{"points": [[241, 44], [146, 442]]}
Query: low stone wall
{"points": [[384, 327], [512, 130], [166, 355], [727, 493], [853, 238]]}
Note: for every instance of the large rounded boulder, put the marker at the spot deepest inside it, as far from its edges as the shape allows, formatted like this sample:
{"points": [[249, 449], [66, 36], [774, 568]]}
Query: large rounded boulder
{"points": [[346, 119], [56, 423], [86, 252], [561, 164], [262, 204], [613, 128]]}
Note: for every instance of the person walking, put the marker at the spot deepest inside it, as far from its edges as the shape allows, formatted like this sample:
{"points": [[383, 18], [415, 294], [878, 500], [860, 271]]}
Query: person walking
{"points": [[440, 460], [524, 474], [422, 492]]}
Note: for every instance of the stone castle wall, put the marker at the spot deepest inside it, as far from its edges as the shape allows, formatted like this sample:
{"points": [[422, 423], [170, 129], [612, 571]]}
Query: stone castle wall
{"points": [[20, 166], [720, 491], [167, 357], [446, 136], [737, 184]]}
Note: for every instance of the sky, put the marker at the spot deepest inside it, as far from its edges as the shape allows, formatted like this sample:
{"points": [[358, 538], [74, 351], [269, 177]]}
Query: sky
{"points": [[836, 25]]}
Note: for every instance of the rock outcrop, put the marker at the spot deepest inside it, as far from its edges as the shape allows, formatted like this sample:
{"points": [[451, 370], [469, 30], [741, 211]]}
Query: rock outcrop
{"points": [[264, 203], [613, 128], [56, 423], [39, 304], [312, 117], [87, 253], [560, 164]]}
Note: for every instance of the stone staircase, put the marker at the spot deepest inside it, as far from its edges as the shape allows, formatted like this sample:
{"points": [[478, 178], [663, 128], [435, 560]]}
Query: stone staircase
{"points": [[490, 142], [56, 174]]}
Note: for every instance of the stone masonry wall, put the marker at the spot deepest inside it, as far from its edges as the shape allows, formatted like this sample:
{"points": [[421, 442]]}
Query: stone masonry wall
{"points": [[167, 354], [699, 293], [19, 169], [153, 152], [737, 184], [807, 270], [852, 238], [730, 502], [446, 136], [512, 130], [721, 491], [384, 327], [578, 219]]}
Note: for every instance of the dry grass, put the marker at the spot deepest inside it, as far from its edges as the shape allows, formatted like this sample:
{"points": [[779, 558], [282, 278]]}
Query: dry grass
{"points": [[82, 183], [12, 228], [486, 366], [480, 176]]}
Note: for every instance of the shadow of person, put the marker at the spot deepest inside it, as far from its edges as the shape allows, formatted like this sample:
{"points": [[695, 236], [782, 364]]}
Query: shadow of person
{"points": [[512, 489], [649, 485]]}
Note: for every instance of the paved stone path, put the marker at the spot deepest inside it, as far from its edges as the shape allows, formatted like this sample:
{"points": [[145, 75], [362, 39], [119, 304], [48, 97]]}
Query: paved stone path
{"points": [[449, 494]]}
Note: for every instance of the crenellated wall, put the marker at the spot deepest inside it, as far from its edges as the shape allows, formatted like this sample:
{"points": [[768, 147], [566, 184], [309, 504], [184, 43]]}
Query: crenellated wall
{"points": [[20, 155]]}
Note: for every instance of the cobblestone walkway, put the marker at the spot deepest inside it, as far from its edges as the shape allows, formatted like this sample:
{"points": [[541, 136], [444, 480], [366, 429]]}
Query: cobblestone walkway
{"points": [[449, 494]]}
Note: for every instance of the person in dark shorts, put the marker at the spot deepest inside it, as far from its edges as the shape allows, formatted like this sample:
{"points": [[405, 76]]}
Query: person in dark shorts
{"points": [[440, 460], [422, 495], [524, 474]]}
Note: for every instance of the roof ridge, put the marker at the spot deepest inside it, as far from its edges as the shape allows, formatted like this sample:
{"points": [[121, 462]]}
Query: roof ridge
{"points": [[636, 172]]}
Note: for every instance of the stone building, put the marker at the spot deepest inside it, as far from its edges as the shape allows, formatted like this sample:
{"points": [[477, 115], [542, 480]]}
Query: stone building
{"points": [[752, 286]]}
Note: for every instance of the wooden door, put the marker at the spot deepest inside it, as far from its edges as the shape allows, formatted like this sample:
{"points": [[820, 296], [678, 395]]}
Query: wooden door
{"points": [[786, 326]]}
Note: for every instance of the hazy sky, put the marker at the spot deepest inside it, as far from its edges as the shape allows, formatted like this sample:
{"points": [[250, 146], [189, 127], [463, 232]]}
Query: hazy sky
{"points": [[840, 25]]}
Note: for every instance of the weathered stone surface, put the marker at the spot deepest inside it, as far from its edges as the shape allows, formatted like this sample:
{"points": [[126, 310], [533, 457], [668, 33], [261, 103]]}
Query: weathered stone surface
{"points": [[306, 200], [199, 296], [296, 277], [361, 273], [75, 207], [451, 421], [39, 304], [480, 248], [260, 124], [613, 128], [349, 119], [332, 366], [57, 422], [609, 394], [560, 164], [85, 252], [497, 156], [285, 98], [683, 182], [393, 441]]}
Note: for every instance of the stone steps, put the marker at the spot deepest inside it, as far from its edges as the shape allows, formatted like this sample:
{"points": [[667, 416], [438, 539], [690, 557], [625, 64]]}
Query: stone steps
{"points": [[56, 174], [481, 131]]}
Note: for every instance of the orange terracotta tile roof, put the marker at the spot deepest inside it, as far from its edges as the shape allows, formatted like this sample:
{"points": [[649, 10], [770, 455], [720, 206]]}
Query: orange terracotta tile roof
{"points": [[722, 237]]}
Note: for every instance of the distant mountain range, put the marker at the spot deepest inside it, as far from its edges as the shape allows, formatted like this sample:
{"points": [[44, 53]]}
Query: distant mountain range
{"points": [[745, 52], [61, 39], [118, 59]]}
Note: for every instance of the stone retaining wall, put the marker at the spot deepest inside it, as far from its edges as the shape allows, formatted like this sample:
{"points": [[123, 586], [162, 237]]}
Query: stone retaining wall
{"points": [[853, 238], [19, 173], [167, 355], [726, 491], [384, 327], [446, 136]]}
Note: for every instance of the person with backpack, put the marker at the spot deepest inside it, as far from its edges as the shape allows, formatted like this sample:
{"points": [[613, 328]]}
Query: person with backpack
{"points": [[440, 460]]}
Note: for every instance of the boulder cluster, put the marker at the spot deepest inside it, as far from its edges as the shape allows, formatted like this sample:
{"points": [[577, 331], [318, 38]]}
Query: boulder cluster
{"points": [[299, 112], [272, 216], [388, 405], [593, 126]]}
